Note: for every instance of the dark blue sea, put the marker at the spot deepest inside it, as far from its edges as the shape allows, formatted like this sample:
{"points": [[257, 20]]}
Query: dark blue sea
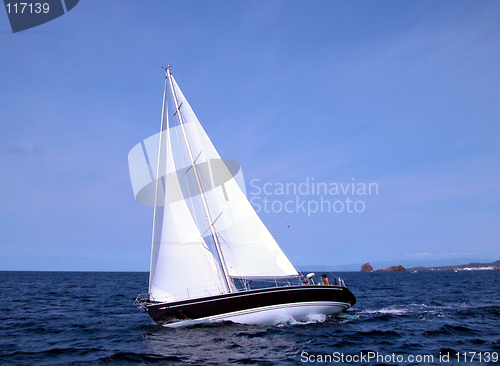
{"points": [[88, 318]]}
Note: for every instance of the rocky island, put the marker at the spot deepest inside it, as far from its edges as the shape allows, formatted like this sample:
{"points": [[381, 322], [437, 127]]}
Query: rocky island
{"points": [[366, 267], [399, 268]]}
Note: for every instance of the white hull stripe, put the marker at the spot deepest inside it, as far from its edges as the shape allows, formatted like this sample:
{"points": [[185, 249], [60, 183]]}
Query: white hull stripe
{"points": [[339, 306]]}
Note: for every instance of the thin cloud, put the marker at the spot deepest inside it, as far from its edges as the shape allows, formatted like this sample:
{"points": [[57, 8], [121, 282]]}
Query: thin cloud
{"points": [[18, 151], [37, 151], [14, 151]]}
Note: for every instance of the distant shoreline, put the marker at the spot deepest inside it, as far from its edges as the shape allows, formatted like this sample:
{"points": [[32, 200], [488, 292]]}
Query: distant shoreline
{"points": [[474, 266], [461, 267]]}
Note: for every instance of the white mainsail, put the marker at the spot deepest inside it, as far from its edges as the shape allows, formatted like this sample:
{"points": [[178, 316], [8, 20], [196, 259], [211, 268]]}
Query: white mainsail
{"points": [[249, 250], [182, 266]]}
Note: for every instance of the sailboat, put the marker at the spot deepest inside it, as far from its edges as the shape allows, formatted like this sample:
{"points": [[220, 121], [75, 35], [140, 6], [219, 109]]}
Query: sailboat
{"points": [[209, 246]]}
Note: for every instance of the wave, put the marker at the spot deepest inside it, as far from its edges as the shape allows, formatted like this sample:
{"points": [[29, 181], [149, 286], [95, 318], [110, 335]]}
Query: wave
{"points": [[449, 329], [143, 358]]}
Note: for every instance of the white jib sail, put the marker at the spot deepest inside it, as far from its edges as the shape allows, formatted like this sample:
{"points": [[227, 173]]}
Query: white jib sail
{"points": [[249, 249], [182, 266]]}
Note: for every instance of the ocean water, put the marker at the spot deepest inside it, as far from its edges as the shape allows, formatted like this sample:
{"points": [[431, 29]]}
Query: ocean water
{"points": [[88, 318]]}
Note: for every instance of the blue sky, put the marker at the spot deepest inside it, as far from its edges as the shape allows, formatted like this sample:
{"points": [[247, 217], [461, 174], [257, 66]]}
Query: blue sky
{"points": [[401, 94]]}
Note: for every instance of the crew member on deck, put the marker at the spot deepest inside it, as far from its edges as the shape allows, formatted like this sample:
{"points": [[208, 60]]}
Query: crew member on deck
{"points": [[326, 281]]}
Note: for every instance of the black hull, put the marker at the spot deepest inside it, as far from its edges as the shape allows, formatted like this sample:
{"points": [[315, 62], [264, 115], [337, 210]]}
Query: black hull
{"points": [[321, 299]]}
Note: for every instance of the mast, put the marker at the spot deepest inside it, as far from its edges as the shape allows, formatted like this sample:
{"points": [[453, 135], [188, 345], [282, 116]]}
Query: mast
{"points": [[200, 187], [158, 181]]}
